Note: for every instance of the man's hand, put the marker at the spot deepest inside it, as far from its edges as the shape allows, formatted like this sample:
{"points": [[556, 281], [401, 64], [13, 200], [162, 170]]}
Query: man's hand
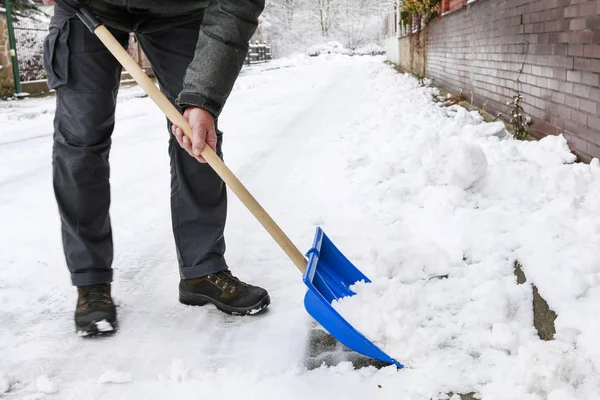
{"points": [[203, 132], [49, 2]]}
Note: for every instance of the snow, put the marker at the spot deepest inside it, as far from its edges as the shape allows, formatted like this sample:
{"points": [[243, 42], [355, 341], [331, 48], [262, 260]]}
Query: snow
{"points": [[5, 383], [370, 49], [104, 326], [112, 376], [45, 385], [431, 203], [335, 47]]}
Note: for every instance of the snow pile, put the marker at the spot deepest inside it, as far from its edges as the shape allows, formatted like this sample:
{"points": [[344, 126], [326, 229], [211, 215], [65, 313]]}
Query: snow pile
{"points": [[459, 201], [44, 385], [370, 49], [334, 47], [456, 162]]}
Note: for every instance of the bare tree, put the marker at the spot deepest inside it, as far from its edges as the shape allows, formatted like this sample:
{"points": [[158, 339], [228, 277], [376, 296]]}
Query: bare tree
{"points": [[289, 8], [326, 14], [360, 20]]}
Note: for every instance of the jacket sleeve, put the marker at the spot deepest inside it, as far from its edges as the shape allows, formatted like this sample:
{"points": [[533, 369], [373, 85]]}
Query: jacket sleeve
{"points": [[222, 47]]}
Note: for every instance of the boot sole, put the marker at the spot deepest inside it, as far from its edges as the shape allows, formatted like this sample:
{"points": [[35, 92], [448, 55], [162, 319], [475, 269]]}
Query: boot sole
{"points": [[194, 299], [96, 328]]}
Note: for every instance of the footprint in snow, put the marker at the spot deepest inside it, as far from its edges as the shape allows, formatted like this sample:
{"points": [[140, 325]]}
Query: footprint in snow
{"points": [[358, 162]]}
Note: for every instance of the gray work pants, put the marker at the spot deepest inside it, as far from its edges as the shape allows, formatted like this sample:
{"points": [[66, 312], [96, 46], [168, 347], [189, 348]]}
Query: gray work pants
{"points": [[86, 78]]}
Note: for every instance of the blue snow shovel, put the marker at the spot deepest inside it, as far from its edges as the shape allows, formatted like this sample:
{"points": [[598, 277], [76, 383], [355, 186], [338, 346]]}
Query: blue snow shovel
{"points": [[327, 273]]}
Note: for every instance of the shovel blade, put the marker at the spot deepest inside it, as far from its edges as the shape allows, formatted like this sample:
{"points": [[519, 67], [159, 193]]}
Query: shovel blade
{"points": [[328, 277]]}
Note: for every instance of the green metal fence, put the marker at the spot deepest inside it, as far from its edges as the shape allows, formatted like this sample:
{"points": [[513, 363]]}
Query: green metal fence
{"points": [[29, 37]]}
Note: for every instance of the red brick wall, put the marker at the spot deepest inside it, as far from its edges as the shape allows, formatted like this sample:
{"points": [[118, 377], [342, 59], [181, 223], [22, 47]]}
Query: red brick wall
{"points": [[452, 5], [456, 4], [480, 48]]}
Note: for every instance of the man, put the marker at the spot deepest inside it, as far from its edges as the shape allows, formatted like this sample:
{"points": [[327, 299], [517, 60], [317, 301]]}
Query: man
{"points": [[196, 49]]}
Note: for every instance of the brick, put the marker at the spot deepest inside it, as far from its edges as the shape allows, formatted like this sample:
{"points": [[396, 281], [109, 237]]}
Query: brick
{"points": [[540, 49], [579, 117], [545, 38], [588, 106], [591, 50], [595, 65], [565, 87], [551, 26], [558, 97], [546, 93], [552, 84], [577, 24], [587, 134], [547, 72], [595, 94], [529, 28], [557, 121], [575, 50], [540, 103], [559, 74], [559, 49], [551, 108], [587, 9], [551, 4], [572, 127], [582, 64], [561, 24], [572, 101], [592, 22], [571, 12], [593, 150], [560, 61], [581, 91], [550, 129], [575, 37], [590, 78], [564, 113], [593, 122], [574, 76], [540, 6]]}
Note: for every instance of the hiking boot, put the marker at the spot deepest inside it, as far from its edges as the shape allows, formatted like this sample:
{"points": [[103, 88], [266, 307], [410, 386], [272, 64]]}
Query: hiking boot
{"points": [[95, 313], [225, 291]]}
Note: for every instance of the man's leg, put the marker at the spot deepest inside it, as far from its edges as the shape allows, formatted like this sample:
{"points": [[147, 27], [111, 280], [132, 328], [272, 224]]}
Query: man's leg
{"points": [[86, 78], [198, 195]]}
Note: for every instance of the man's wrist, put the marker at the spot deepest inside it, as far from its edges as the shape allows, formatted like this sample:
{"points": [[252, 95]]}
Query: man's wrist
{"points": [[186, 100]]}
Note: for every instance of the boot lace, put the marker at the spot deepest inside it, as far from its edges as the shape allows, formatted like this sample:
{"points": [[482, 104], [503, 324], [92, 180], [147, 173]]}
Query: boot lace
{"points": [[225, 280]]}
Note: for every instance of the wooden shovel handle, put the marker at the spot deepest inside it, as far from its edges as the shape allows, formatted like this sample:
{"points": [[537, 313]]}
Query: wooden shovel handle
{"points": [[209, 155]]}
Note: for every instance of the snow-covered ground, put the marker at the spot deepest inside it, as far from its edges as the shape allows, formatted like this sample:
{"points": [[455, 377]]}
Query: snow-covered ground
{"points": [[410, 191]]}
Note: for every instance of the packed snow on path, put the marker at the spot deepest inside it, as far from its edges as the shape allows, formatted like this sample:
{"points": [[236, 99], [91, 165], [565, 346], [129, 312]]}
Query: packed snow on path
{"points": [[431, 203]]}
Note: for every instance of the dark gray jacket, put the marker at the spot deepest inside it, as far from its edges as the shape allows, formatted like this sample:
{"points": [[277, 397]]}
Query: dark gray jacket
{"points": [[222, 45]]}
